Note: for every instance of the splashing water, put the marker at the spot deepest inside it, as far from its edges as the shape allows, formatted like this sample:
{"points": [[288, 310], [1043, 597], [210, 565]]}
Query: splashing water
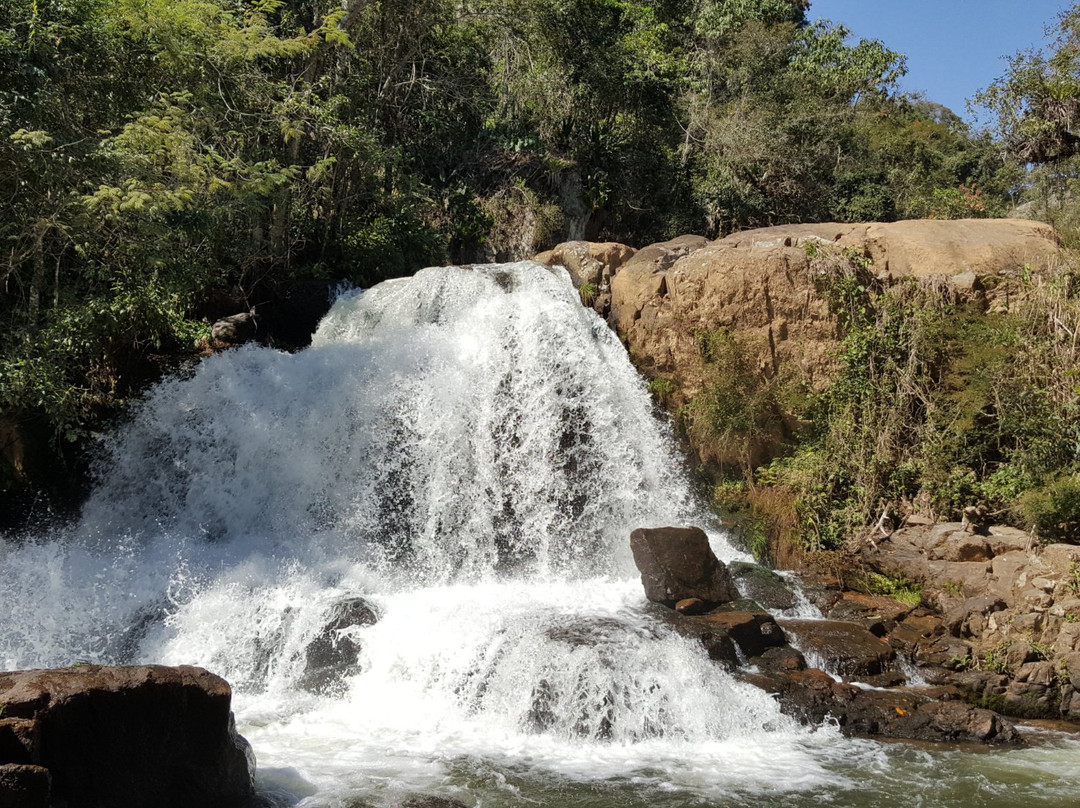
{"points": [[467, 450]]}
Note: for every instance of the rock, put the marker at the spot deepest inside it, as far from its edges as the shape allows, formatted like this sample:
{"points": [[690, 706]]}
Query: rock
{"points": [[813, 696], [762, 585], [762, 287], [18, 741], [981, 247], [677, 563], [24, 786], [334, 654], [235, 329], [143, 736], [591, 266], [753, 632], [692, 606], [964, 547], [878, 613], [848, 649], [960, 621]]}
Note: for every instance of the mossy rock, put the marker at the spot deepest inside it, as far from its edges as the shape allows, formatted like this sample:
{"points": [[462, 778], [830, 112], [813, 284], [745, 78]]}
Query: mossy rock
{"points": [[761, 584]]}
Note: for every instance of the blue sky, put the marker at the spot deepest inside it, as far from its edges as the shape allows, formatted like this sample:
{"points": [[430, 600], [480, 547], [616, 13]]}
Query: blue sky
{"points": [[954, 47]]}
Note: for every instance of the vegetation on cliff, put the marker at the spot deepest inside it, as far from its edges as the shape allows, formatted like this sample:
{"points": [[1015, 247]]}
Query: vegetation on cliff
{"points": [[952, 404]]}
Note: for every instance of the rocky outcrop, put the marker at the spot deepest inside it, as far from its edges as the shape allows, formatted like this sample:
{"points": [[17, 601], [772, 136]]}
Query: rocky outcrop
{"points": [[130, 737], [762, 284], [922, 247], [235, 329], [814, 696], [677, 564], [773, 654], [765, 288], [591, 267], [1008, 623], [749, 642]]}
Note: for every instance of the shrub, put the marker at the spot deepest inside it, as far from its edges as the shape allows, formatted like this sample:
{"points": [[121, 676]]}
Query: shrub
{"points": [[1053, 510]]}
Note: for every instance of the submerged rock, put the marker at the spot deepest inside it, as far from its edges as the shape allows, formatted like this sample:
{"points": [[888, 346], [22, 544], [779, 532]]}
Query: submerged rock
{"points": [[676, 563], [140, 736]]}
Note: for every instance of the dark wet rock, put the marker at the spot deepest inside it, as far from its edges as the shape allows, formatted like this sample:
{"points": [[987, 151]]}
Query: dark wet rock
{"points": [[813, 696], [140, 736], [847, 648], [753, 632], [17, 740], [780, 659], [729, 637], [24, 786], [914, 630], [677, 563], [235, 329], [762, 585], [334, 654]]}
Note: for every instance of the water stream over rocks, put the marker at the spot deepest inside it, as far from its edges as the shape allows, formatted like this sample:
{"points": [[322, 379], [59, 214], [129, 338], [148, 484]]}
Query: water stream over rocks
{"points": [[407, 549]]}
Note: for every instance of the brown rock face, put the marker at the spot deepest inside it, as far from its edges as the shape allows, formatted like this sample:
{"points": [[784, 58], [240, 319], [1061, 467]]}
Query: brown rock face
{"points": [[591, 266], [677, 563], [763, 288], [128, 737]]}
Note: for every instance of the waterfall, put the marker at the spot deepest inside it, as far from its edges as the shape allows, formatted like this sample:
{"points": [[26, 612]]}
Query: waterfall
{"points": [[466, 451]]}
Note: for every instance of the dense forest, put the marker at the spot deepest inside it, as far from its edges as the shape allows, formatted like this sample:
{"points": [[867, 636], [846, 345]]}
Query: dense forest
{"points": [[163, 162]]}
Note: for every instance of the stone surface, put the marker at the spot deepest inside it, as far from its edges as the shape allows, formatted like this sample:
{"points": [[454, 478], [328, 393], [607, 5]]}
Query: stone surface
{"points": [[753, 632], [590, 265], [235, 328], [144, 736], [24, 786], [677, 563], [763, 287], [848, 649], [762, 585], [334, 654]]}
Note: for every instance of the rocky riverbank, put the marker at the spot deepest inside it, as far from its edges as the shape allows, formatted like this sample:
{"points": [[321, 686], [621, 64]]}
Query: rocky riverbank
{"points": [[801, 370], [848, 669]]}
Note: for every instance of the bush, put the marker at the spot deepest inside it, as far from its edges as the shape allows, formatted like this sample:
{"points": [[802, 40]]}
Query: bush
{"points": [[1053, 510]]}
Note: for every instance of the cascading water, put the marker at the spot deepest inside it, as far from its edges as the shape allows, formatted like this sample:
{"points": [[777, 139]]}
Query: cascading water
{"points": [[467, 450]]}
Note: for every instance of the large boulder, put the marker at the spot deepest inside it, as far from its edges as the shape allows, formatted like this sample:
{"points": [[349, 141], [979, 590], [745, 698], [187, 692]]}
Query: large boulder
{"points": [[676, 563], [143, 736]]}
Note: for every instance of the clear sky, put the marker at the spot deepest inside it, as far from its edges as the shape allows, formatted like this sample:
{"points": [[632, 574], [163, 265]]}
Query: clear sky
{"points": [[954, 48]]}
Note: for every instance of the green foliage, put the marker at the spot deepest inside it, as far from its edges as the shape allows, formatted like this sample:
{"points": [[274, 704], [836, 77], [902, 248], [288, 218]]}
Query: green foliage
{"points": [[164, 152], [738, 408], [661, 388], [1053, 509], [896, 587], [938, 406]]}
